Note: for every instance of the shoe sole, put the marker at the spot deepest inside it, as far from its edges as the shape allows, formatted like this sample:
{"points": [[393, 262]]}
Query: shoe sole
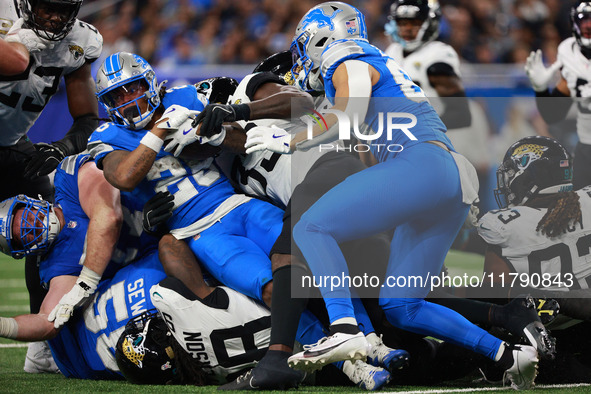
{"points": [[314, 363]]}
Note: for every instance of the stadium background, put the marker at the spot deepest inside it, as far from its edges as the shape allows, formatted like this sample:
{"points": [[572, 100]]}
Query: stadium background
{"points": [[191, 40]]}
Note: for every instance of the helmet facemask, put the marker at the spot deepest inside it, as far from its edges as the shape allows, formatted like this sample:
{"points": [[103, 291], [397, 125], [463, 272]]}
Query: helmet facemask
{"points": [[144, 351], [122, 74], [36, 13], [38, 227], [427, 11], [533, 166], [581, 14]]}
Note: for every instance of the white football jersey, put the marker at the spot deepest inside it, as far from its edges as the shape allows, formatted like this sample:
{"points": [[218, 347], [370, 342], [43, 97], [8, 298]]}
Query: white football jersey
{"points": [[226, 338], [8, 15], [513, 230], [23, 97], [267, 174], [416, 63], [576, 70]]}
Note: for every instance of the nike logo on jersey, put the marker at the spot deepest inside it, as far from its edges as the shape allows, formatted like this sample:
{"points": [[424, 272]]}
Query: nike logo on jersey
{"points": [[278, 136]]}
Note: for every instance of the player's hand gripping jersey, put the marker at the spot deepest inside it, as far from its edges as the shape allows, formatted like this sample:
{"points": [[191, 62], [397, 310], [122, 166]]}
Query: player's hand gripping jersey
{"points": [[198, 187], [85, 347]]}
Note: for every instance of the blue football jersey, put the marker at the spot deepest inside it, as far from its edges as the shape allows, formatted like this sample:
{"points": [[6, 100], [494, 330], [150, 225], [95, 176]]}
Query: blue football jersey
{"points": [[198, 186], [85, 346], [67, 253], [395, 92]]}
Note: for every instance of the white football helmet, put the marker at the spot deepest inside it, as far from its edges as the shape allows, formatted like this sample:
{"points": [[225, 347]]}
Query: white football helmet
{"points": [[320, 27], [43, 225], [123, 73]]}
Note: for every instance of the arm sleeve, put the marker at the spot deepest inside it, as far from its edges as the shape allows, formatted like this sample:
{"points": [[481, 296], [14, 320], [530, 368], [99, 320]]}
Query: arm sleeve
{"points": [[457, 111], [260, 79]]}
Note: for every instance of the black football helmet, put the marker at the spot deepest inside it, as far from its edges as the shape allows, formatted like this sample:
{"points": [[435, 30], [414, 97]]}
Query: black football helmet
{"points": [[427, 11], [144, 352], [47, 28], [279, 63], [578, 13], [533, 166], [217, 90]]}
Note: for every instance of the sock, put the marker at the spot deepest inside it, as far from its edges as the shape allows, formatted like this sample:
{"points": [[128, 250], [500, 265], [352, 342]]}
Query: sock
{"points": [[347, 325], [276, 356], [361, 316], [504, 357], [285, 311]]}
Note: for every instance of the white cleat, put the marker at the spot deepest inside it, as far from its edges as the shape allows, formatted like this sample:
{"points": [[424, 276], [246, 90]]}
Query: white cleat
{"points": [[337, 347], [39, 359], [524, 370], [366, 376]]}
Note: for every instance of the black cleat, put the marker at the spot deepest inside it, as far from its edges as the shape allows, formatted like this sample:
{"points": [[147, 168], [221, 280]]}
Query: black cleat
{"points": [[524, 322], [268, 374]]}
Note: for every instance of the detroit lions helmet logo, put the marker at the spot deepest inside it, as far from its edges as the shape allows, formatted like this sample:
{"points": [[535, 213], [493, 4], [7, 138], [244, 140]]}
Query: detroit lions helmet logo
{"points": [[320, 18], [524, 155]]}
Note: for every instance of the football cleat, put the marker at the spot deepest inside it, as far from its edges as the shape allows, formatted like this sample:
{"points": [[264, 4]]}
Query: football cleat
{"points": [[524, 370], [267, 375], [366, 376], [380, 355], [39, 359], [337, 347], [525, 322], [547, 309]]}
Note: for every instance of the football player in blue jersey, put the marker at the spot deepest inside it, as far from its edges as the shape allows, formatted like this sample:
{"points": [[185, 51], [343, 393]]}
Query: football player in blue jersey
{"points": [[91, 232], [420, 186], [207, 212]]}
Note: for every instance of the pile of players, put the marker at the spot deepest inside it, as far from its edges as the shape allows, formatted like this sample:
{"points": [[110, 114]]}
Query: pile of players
{"points": [[210, 203]]}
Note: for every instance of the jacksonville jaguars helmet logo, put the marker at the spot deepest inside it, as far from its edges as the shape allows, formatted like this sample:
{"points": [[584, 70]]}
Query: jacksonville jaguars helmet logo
{"points": [[526, 154], [320, 18], [134, 349]]}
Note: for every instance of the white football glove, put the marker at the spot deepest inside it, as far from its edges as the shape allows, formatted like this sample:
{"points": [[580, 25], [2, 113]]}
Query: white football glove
{"points": [[186, 134], [175, 116], [272, 138], [85, 287], [540, 76], [27, 37]]}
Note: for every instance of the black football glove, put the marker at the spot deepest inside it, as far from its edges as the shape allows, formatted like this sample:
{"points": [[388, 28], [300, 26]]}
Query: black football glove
{"points": [[44, 160], [156, 212], [213, 115]]}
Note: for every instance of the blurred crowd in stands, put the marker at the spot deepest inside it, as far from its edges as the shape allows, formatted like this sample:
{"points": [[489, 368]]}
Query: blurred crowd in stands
{"points": [[194, 32]]}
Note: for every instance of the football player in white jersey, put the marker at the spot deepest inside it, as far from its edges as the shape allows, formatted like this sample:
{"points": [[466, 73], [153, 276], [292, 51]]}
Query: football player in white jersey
{"points": [[431, 64], [538, 242], [573, 61]]}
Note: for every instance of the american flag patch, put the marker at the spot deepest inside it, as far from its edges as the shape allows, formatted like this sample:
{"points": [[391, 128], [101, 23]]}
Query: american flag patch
{"points": [[350, 24], [563, 163]]}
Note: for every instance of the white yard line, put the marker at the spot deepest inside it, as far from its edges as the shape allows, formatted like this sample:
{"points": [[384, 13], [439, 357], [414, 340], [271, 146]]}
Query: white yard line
{"points": [[484, 389], [13, 345]]}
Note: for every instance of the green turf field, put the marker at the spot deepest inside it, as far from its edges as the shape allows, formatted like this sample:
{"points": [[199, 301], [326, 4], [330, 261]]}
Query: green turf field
{"points": [[14, 301]]}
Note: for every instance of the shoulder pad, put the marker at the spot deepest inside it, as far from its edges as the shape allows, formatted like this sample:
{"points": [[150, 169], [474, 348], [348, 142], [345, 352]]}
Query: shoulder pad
{"points": [[488, 229], [86, 38], [336, 51]]}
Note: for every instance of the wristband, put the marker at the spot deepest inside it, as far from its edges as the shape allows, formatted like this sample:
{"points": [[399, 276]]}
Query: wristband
{"points": [[150, 140], [89, 278], [8, 327], [242, 111]]}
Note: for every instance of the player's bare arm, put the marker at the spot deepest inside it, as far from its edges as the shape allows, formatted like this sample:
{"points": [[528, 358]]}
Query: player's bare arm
{"points": [[14, 59]]}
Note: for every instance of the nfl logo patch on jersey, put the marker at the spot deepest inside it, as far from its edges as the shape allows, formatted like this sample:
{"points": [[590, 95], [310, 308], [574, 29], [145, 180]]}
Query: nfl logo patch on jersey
{"points": [[76, 51], [72, 224], [563, 163]]}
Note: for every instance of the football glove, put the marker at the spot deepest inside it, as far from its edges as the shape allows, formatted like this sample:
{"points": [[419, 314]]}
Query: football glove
{"points": [[213, 115], [175, 116], [27, 37], [85, 287], [540, 76], [272, 138], [46, 159], [156, 212]]}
